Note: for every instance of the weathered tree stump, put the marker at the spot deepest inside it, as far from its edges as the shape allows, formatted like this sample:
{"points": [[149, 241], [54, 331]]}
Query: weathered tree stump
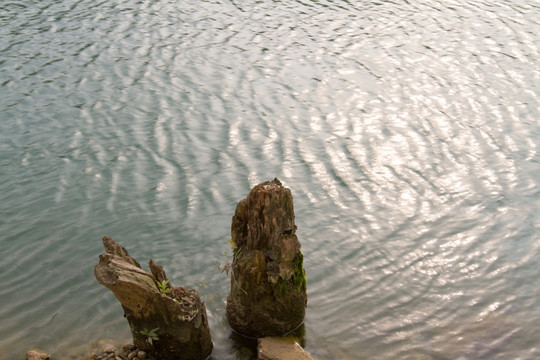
{"points": [[168, 322], [268, 283]]}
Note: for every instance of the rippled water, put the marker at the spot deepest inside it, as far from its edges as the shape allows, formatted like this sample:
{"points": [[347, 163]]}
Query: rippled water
{"points": [[408, 132]]}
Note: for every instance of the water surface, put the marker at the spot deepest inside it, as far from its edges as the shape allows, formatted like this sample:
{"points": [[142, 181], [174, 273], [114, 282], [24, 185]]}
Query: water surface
{"points": [[408, 133]]}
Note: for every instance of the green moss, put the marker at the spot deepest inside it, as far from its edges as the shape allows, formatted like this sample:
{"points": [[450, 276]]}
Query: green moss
{"points": [[297, 282], [281, 287], [299, 277]]}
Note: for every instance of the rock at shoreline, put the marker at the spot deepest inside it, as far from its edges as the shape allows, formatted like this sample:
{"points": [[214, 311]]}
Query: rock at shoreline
{"points": [[36, 354], [281, 349]]}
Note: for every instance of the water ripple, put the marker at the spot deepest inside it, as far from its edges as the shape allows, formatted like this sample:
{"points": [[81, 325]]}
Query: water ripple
{"points": [[406, 131]]}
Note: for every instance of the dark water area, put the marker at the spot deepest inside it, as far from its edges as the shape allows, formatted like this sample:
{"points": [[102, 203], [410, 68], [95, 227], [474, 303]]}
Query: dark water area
{"points": [[407, 131]]}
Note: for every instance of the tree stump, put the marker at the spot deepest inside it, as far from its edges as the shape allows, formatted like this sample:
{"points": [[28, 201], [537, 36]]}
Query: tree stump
{"points": [[268, 283], [168, 322]]}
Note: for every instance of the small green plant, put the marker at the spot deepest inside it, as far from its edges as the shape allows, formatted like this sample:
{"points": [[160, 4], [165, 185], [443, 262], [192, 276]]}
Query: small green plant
{"points": [[151, 335], [237, 251], [179, 301], [164, 287], [228, 266]]}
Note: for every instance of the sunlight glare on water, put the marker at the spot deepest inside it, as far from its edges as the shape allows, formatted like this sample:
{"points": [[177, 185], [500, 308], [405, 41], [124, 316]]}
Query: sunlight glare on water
{"points": [[407, 132]]}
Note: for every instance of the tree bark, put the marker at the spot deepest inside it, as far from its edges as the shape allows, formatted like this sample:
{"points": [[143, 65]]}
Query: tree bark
{"points": [[268, 284], [169, 322]]}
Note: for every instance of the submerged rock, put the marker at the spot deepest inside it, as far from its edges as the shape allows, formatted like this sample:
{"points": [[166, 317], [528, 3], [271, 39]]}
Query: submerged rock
{"points": [[36, 354], [268, 283], [93, 356]]}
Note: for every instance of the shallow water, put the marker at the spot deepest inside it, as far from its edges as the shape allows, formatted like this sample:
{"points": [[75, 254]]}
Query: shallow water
{"points": [[408, 133]]}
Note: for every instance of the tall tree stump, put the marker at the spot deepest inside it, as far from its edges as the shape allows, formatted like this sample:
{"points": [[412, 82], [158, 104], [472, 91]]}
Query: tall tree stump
{"points": [[268, 283], [169, 322]]}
